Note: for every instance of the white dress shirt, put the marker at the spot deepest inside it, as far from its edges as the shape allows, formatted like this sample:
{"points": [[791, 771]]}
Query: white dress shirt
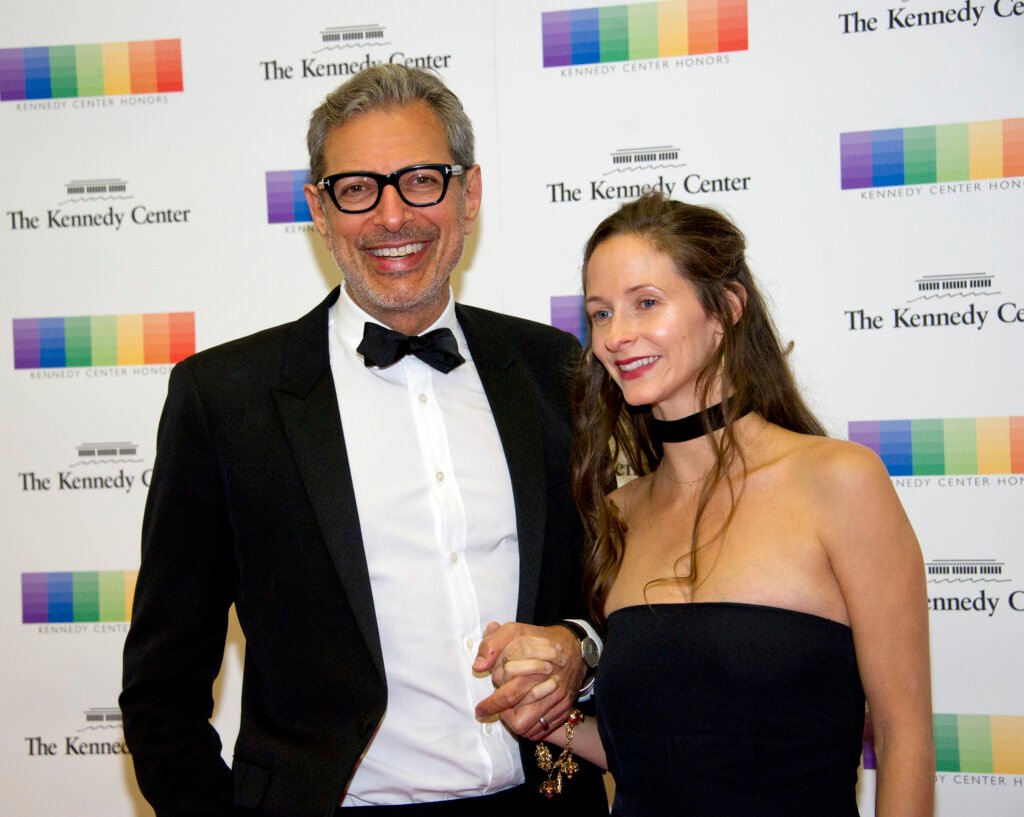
{"points": [[438, 523]]}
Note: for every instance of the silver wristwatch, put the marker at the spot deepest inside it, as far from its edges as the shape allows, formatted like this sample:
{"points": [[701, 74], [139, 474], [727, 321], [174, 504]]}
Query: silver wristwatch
{"points": [[589, 651]]}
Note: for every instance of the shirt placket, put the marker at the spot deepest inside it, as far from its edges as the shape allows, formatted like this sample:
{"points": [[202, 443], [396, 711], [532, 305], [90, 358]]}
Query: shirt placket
{"points": [[450, 534]]}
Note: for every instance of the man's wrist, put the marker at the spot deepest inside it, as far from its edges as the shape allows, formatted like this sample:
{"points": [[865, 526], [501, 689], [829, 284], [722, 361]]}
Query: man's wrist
{"points": [[589, 650]]}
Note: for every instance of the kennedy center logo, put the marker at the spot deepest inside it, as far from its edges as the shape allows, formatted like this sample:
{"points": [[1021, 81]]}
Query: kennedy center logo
{"points": [[632, 173], [286, 203], [89, 740], [956, 302], [935, 155], [957, 446], [103, 340], [971, 587], [101, 69], [343, 51], [643, 31], [96, 203], [92, 471], [78, 597]]}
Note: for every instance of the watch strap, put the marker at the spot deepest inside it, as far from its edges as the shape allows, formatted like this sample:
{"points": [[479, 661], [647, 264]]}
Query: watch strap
{"points": [[574, 628]]}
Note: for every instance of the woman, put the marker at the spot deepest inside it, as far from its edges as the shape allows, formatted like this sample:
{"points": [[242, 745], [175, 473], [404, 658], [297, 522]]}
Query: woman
{"points": [[756, 580]]}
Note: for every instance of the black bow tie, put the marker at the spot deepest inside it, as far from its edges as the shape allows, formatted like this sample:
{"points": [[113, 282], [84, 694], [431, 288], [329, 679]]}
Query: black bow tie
{"points": [[383, 347]]}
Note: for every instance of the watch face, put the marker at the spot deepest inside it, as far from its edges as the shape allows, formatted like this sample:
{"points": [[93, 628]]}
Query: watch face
{"points": [[589, 650]]}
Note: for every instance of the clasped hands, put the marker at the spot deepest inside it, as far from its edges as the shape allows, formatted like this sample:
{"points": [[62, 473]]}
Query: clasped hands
{"points": [[537, 672]]}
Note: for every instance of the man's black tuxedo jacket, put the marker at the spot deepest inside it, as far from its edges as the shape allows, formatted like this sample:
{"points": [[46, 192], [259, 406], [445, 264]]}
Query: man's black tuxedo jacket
{"points": [[251, 502]]}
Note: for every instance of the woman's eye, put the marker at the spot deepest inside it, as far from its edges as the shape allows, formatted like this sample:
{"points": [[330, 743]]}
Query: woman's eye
{"points": [[599, 314], [647, 303]]}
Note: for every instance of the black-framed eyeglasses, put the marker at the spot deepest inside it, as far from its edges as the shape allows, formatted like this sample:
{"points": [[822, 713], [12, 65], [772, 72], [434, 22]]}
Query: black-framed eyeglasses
{"points": [[418, 185]]}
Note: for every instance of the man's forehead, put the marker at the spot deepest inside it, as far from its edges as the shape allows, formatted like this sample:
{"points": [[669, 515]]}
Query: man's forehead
{"points": [[407, 134]]}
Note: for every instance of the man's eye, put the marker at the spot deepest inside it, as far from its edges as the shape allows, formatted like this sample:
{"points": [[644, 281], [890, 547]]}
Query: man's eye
{"points": [[423, 182]]}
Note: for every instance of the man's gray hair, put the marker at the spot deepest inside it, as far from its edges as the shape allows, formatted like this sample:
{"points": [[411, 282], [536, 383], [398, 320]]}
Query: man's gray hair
{"points": [[384, 87]]}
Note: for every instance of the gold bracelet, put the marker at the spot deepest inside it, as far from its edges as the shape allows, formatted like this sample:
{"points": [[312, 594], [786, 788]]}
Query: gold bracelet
{"points": [[564, 764]]}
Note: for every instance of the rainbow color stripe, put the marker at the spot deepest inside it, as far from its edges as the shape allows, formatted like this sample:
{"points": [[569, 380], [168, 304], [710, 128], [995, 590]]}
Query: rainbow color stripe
{"points": [[102, 69], [643, 31], [967, 445], [986, 744], [103, 340], [90, 595], [964, 151], [286, 203], [567, 314]]}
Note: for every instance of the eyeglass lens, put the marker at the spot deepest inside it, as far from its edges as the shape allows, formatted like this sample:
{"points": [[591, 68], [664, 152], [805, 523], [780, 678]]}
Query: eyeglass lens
{"points": [[418, 186]]}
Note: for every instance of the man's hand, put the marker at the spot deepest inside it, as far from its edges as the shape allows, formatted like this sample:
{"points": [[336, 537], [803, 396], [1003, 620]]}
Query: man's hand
{"points": [[537, 672]]}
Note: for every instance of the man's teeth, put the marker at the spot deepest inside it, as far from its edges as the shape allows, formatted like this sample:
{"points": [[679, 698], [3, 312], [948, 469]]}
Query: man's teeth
{"points": [[397, 252], [636, 364]]}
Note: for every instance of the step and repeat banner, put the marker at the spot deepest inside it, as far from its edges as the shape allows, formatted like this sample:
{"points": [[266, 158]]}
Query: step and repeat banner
{"points": [[150, 206]]}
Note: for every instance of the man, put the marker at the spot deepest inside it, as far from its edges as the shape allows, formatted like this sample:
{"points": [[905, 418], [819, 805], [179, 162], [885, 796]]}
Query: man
{"points": [[366, 515]]}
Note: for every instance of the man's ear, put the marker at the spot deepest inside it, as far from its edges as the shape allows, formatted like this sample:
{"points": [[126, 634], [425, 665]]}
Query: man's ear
{"points": [[316, 210], [474, 195]]}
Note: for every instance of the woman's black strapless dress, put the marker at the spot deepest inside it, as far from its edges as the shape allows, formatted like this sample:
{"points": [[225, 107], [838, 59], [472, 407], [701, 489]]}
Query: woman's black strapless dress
{"points": [[730, 710]]}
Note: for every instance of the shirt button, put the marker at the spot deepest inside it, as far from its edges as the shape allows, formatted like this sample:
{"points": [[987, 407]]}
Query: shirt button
{"points": [[453, 557], [439, 476], [469, 643], [487, 729], [423, 398]]}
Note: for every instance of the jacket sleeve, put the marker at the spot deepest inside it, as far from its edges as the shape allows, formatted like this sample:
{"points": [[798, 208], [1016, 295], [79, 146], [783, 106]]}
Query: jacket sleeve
{"points": [[175, 644]]}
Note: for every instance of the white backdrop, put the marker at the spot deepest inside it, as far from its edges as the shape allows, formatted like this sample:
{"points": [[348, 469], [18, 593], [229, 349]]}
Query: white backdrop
{"points": [[903, 295]]}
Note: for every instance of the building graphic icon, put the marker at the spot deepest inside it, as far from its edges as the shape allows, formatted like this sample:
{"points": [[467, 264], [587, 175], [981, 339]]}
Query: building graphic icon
{"points": [[353, 35], [96, 187], [965, 570]]}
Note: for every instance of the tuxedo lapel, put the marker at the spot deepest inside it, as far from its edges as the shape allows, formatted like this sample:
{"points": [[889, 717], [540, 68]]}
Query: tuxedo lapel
{"points": [[308, 405], [508, 392]]}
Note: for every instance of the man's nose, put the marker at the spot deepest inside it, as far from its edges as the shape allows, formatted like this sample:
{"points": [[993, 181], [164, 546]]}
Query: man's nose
{"points": [[392, 211]]}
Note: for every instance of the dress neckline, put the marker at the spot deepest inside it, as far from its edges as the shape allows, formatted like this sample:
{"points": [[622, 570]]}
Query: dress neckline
{"points": [[730, 604]]}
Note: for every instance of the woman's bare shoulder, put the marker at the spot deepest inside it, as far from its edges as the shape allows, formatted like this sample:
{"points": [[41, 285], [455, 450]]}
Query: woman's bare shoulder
{"points": [[622, 497], [825, 461]]}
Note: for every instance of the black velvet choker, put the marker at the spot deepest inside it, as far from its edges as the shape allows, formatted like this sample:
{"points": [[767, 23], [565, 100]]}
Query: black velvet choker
{"points": [[688, 428]]}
